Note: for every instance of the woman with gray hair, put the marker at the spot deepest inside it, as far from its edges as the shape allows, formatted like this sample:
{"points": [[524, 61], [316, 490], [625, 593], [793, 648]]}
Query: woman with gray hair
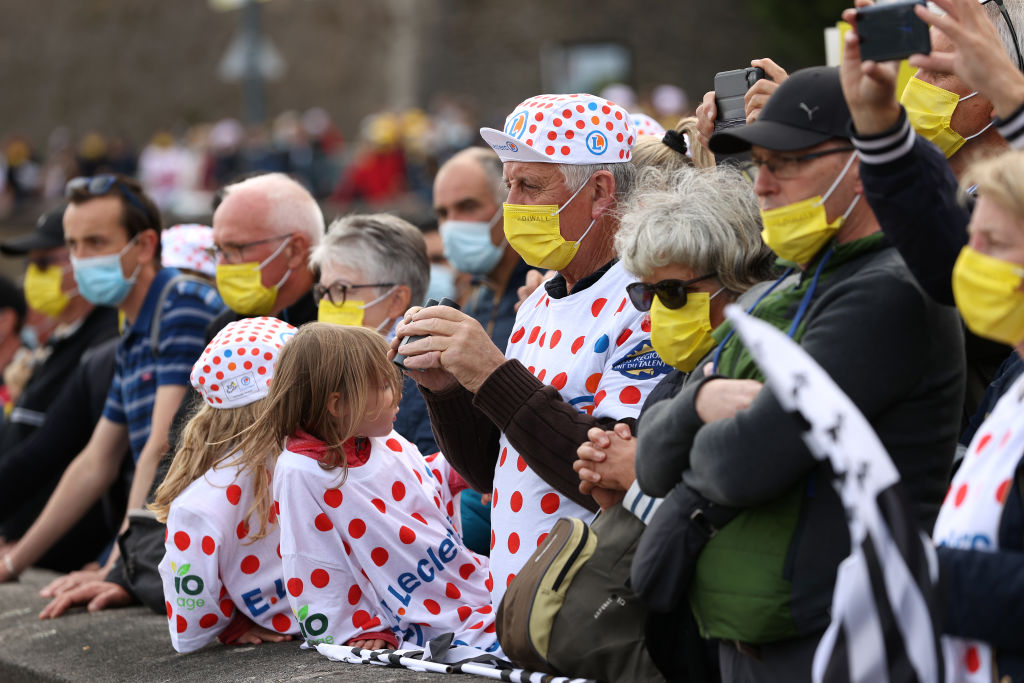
{"points": [[373, 267], [694, 238]]}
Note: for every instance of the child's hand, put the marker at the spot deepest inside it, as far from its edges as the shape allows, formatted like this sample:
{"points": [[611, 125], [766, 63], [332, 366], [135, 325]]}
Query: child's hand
{"points": [[257, 634], [95, 595], [368, 644]]}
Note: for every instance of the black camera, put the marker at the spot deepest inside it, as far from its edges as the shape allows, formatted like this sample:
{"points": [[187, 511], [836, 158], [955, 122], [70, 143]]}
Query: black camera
{"points": [[730, 87], [892, 31], [399, 359]]}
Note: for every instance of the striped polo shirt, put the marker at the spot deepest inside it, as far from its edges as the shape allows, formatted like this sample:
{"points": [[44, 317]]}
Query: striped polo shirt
{"points": [[187, 309]]}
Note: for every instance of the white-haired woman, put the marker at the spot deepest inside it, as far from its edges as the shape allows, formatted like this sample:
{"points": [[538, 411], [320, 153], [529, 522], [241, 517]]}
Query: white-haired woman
{"points": [[372, 268]]}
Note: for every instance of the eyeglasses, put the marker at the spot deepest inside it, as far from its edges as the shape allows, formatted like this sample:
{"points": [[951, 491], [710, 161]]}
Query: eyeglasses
{"points": [[235, 253], [99, 185], [787, 166], [1009, 25], [671, 292], [337, 293]]}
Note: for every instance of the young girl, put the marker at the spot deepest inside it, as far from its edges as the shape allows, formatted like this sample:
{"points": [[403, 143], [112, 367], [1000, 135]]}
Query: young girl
{"points": [[220, 577], [371, 555]]}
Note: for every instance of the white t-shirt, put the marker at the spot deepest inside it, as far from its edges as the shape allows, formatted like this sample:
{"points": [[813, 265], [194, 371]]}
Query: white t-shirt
{"points": [[595, 349], [210, 568], [378, 550]]}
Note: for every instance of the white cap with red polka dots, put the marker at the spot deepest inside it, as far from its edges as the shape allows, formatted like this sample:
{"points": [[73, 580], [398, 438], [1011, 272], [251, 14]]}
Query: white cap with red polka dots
{"points": [[564, 129], [645, 125], [237, 366], [185, 246]]}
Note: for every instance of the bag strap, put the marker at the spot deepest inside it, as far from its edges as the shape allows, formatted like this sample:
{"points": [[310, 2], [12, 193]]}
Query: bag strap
{"points": [[158, 313]]}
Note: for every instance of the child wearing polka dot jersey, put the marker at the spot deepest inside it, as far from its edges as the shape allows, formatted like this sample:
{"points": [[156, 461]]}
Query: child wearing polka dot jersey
{"points": [[371, 554], [220, 578]]}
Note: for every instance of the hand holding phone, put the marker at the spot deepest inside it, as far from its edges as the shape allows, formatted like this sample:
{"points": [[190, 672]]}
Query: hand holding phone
{"points": [[891, 32]]}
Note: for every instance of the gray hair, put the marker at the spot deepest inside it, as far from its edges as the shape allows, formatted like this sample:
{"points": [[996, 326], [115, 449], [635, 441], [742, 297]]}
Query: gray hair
{"points": [[384, 248], [492, 167], [705, 219], [577, 175], [292, 207], [1014, 10]]}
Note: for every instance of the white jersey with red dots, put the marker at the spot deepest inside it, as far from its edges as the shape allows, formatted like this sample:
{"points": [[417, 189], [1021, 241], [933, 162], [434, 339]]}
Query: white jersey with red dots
{"points": [[378, 551], [594, 347], [211, 569], [972, 513]]}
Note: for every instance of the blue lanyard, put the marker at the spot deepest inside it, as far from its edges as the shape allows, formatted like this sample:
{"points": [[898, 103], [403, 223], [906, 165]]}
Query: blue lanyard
{"points": [[805, 303]]}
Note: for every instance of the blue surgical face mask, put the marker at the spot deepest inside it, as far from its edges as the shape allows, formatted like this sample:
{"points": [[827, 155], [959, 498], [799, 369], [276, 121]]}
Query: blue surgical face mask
{"points": [[100, 279], [468, 246], [442, 282]]}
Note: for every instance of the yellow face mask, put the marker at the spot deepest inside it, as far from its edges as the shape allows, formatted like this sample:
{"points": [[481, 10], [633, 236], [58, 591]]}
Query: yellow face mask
{"points": [[351, 312], [796, 232], [930, 110], [534, 232], [241, 288], [43, 290], [682, 336], [989, 297]]}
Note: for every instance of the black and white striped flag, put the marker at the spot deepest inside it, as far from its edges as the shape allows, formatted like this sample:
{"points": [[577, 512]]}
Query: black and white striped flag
{"points": [[884, 623]]}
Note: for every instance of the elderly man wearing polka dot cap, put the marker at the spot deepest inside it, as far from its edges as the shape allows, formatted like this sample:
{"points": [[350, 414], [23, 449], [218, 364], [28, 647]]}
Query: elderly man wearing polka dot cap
{"points": [[578, 357]]}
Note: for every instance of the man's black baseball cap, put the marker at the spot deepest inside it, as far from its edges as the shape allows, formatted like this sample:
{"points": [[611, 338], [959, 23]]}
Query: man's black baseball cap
{"points": [[807, 109], [48, 233]]}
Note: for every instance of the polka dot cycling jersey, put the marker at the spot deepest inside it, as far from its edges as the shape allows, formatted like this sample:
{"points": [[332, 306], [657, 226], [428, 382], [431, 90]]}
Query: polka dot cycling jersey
{"points": [[593, 347], [378, 550], [211, 569]]}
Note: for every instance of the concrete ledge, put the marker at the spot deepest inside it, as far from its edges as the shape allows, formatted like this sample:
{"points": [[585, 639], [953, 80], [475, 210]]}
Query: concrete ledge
{"points": [[132, 644]]}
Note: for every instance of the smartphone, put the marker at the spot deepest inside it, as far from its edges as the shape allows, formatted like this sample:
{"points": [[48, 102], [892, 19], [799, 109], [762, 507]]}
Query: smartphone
{"points": [[730, 87], [892, 31]]}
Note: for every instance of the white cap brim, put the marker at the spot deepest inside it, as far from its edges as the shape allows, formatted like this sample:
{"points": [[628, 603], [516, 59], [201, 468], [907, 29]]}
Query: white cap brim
{"points": [[509, 148]]}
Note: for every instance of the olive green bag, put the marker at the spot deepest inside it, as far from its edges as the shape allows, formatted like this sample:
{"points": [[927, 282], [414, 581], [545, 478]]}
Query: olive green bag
{"points": [[569, 611]]}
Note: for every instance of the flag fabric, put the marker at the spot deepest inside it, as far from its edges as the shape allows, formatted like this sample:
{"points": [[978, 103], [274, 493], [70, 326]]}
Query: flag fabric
{"points": [[884, 616], [438, 657]]}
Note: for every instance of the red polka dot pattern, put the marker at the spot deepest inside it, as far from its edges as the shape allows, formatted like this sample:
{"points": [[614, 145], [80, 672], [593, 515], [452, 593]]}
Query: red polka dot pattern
{"points": [[319, 578], [571, 128], [282, 623], [250, 564], [221, 381], [181, 540]]}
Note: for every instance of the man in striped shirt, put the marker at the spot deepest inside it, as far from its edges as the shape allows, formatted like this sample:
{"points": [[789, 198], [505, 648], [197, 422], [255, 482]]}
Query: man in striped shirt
{"points": [[113, 233]]}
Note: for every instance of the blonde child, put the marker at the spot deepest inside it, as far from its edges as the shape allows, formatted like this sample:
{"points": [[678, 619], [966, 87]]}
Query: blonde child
{"points": [[222, 573], [371, 555]]}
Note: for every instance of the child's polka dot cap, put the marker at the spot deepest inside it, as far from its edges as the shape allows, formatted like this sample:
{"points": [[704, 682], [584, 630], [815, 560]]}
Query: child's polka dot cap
{"points": [[564, 129], [184, 246], [645, 125], [237, 366]]}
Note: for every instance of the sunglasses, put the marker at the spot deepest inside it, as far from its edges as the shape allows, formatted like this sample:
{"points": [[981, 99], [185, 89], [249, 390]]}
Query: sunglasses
{"points": [[671, 292], [99, 185]]}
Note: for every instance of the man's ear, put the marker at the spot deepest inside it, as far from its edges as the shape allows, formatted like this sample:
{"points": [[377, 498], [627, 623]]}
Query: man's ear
{"points": [[399, 301], [148, 241], [298, 251], [604, 194], [8, 322]]}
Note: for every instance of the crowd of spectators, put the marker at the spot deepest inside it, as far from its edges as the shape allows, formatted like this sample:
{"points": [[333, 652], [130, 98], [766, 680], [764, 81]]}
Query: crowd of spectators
{"points": [[264, 429]]}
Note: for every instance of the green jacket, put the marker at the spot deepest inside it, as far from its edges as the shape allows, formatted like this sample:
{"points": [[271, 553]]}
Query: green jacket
{"points": [[769, 574]]}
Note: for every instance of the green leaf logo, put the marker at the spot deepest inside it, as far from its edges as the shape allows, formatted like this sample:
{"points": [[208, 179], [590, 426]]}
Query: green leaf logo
{"points": [[303, 611], [183, 569]]}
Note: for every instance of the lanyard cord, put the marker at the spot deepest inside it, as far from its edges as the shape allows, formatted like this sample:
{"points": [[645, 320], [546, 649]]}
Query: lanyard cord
{"points": [[805, 303]]}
